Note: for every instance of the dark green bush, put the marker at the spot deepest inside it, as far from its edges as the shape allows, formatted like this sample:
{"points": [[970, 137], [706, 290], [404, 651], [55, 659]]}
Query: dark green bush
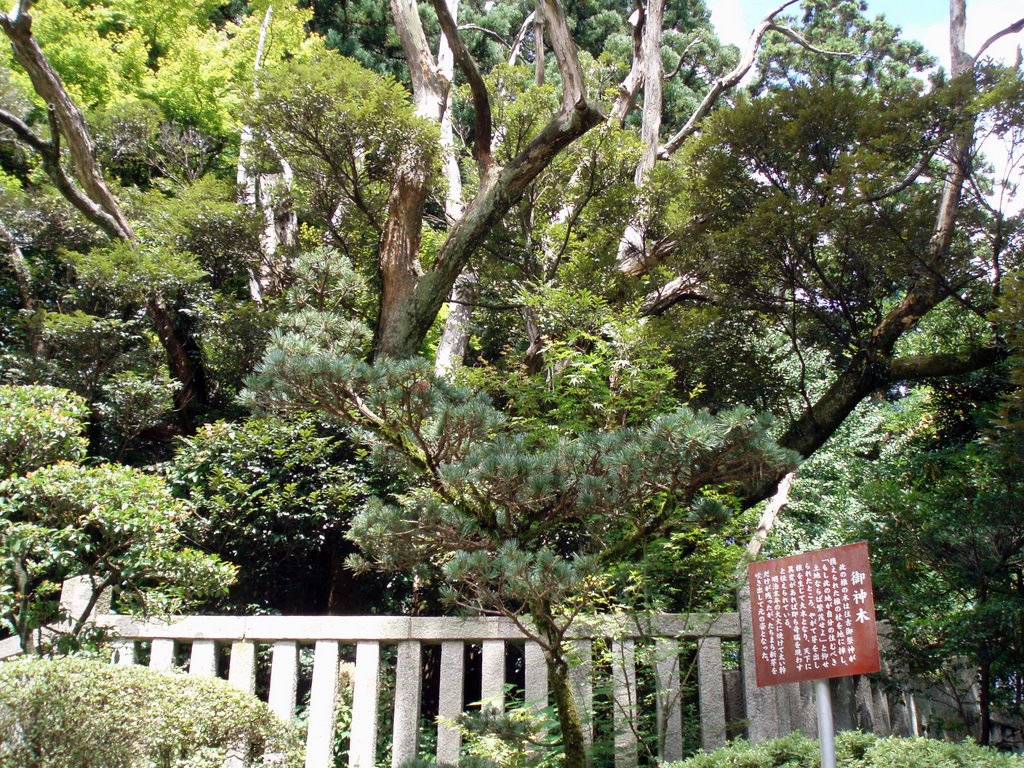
{"points": [[81, 713], [853, 750]]}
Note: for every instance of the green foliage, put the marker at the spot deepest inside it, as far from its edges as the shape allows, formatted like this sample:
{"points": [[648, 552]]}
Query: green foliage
{"points": [[876, 55], [133, 403], [120, 527], [40, 426], [516, 520], [79, 713], [137, 272], [602, 369], [344, 130], [853, 750], [949, 538], [273, 496]]}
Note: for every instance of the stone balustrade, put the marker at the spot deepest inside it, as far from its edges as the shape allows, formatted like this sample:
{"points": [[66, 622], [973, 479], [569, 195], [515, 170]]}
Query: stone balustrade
{"points": [[365, 638], [635, 679]]}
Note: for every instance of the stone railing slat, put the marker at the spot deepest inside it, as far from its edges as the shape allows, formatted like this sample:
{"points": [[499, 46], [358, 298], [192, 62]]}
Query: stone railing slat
{"points": [[711, 693], [669, 706], [284, 678], [492, 674], [624, 705], [408, 691], [161, 654], [320, 733], [242, 667], [362, 751], [583, 686], [450, 703], [124, 652], [203, 662]]}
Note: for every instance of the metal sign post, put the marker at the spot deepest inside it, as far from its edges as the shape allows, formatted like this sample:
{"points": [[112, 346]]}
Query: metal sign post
{"points": [[826, 731], [813, 618]]}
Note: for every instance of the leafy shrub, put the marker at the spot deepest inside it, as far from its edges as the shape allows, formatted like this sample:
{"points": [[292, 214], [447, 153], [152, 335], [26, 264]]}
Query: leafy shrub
{"points": [[81, 713], [112, 523], [853, 750], [39, 426], [273, 496]]}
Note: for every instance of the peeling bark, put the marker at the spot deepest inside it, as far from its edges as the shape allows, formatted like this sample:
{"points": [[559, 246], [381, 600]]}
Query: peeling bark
{"points": [[410, 301], [451, 349], [69, 118], [94, 200], [270, 193], [631, 255]]}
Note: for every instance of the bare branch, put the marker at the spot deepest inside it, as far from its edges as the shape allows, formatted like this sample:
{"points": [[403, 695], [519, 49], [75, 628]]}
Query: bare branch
{"points": [[1012, 29], [680, 288], [903, 183], [517, 44], [630, 86], [429, 88], [682, 58], [792, 35], [764, 526], [481, 100], [50, 155], [486, 31], [722, 84], [574, 88], [48, 85]]}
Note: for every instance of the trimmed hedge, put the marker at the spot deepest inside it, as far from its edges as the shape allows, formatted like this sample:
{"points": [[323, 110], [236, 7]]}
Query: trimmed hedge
{"points": [[854, 750], [82, 713]]}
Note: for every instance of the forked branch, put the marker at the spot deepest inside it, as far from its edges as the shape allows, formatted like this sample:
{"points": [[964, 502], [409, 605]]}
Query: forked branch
{"points": [[481, 99], [722, 84]]}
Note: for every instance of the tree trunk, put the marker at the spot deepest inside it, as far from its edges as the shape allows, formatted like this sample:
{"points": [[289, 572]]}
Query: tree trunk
{"points": [[71, 121], [631, 258], [97, 203], [183, 360], [451, 350], [271, 194], [574, 743], [873, 366], [410, 302]]}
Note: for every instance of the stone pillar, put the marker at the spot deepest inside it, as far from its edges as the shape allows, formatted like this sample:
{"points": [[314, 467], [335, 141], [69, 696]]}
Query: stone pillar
{"points": [[284, 678], [536, 692], [242, 667], [161, 655], [322, 696], [362, 751], [580, 678], [124, 652], [762, 712], [492, 674], [624, 708], [408, 691], [711, 693], [449, 705], [669, 712], [203, 662]]}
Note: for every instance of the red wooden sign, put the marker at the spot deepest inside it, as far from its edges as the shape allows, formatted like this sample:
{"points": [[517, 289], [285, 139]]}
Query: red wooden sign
{"points": [[813, 615]]}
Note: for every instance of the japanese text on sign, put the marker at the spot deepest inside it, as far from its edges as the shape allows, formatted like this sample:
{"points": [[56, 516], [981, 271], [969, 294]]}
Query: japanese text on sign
{"points": [[813, 616]]}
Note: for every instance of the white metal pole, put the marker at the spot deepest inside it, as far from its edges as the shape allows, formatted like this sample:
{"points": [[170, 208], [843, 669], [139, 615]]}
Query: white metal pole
{"points": [[826, 731]]}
